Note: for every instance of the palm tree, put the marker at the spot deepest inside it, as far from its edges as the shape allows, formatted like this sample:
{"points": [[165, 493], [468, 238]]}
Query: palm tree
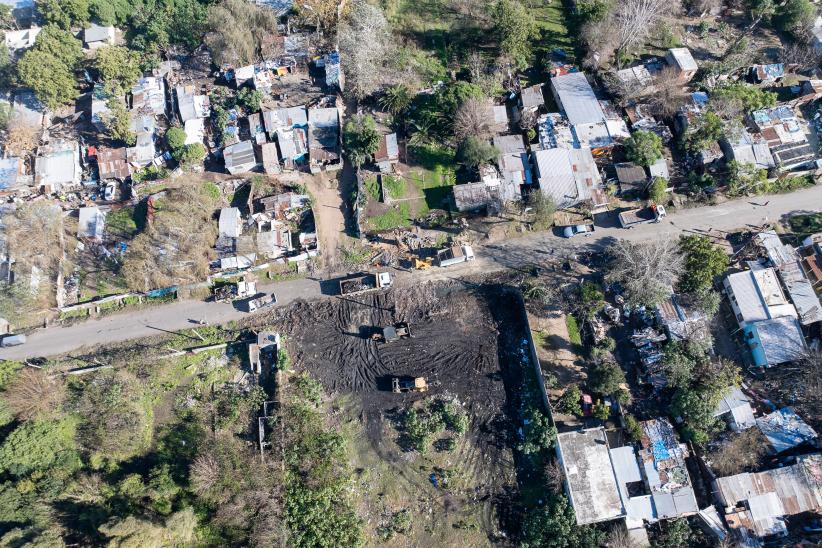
{"points": [[396, 99]]}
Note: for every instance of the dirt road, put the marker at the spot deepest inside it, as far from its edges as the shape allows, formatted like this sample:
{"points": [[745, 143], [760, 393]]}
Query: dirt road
{"points": [[526, 250], [327, 191]]}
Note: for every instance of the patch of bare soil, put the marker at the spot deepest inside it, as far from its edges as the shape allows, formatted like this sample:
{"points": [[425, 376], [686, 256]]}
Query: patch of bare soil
{"points": [[462, 341], [327, 192]]}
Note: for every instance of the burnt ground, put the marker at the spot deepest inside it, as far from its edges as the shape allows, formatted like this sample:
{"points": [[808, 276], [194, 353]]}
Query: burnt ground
{"points": [[466, 342]]}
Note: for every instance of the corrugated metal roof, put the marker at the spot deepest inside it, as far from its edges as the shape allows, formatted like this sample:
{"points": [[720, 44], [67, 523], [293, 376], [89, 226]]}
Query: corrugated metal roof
{"points": [[578, 99], [781, 339], [785, 430], [683, 58]]}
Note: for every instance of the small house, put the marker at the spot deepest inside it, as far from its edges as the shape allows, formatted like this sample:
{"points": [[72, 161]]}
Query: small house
{"points": [[57, 167], [191, 105], [631, 177], [195, 131], [513, 161], [284, 118], [785, 430], [230, 224], [755, 295], [388, 153], [756, 504], [531, 99], [568, 176], [324, 139], [92, 223], [735, 409], [148, 96], [112, 163], [97, 36], [748, 150], [683, 62], [271, 158], [240, 157], [17, 41]]}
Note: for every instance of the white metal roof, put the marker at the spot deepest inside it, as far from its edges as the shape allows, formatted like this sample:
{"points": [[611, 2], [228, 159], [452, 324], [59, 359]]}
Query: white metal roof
{"points": [[758, 296], [684, 60], [578, 99]]}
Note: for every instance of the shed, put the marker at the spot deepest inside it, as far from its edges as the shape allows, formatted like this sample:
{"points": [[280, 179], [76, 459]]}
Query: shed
{"points": [[190, 104], [323, 137], [784, 430], [271, 158], [230, 223], [628, 173], [112, 163], [97, 36], [195, 131], [735, 409], [284, 118], [684, 63], [92, 223], [660, 169], [18, 40], [388, 152], [775, 341], [240, 157], [472, 196], [531, 97]]}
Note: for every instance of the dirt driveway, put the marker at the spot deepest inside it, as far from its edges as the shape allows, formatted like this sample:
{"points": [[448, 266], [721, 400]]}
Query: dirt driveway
{"points": [[330, 209]]}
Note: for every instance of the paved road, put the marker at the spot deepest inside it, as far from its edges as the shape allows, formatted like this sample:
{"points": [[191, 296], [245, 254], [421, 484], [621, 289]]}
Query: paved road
{"points": [[516, 252]]}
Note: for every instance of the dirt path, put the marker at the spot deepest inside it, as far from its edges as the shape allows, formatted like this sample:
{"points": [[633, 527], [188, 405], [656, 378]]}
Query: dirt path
{"points": [[330, 208]]}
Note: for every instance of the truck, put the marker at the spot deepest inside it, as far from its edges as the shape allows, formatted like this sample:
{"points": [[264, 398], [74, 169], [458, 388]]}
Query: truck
{"points": [[230, 292], [408, 384], [573, 230], [12, 340], [455, 254], [364, 282], [640, 216]]}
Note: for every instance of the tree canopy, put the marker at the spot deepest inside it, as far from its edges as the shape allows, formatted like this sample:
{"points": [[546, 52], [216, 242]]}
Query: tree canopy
{"points": [[119, 68], [703, 262], [360, 138], [48, 67], [515, 29], [643, 148], [474, 152]]}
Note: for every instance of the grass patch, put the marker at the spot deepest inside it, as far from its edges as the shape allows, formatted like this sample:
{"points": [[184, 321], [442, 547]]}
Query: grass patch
{"points": [[435, 176], [120, 223], [395, 186], [372, 187], [74, 314], [573, 330], [394, 218], [805, 225]]}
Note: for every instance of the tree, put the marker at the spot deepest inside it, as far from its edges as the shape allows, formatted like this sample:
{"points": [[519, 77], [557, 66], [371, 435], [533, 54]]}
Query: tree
{"points": [[795, 16], [250, 99], [64, 13], [48, 68], [396, 99], [474, 152], [704, 261], [542, 210], [473, 119], [643, 148], [675, 534], [553, 525], [601, 410], [364, 47], [746, 179], [669, 94], [569, 402], [118, 122], [515, 29], [236, 31], [175, 139], [800, 53], [646, 271], [706, 130], [743, 96], [658, 190], [742, 452], [39, 446], [321, 12], [538, 433], [696, 403], [634, 20], [360, 138], [191, 154], [119, 68], [607, 378], [680, 361]]}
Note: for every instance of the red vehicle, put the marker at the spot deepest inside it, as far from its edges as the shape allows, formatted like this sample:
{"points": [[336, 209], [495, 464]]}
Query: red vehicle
{"points": [[587, 405]]}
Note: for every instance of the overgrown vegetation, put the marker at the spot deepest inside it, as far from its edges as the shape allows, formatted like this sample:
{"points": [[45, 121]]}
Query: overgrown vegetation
{"points": [[421, 425]]}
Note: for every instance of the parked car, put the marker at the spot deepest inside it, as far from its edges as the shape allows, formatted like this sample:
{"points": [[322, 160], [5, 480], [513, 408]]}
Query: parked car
{"points": [[573, 230], [12, 340]]}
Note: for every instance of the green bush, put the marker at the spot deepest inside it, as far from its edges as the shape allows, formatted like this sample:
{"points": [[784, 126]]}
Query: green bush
{"points": [[570, 401], [574, 335]]}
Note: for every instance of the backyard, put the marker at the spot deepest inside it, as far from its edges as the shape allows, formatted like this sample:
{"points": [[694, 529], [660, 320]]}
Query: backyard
{"points": [[412, 191]]}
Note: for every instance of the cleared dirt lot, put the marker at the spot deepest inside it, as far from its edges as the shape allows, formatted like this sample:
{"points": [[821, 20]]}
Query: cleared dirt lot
{"points": [[467, 342]]}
